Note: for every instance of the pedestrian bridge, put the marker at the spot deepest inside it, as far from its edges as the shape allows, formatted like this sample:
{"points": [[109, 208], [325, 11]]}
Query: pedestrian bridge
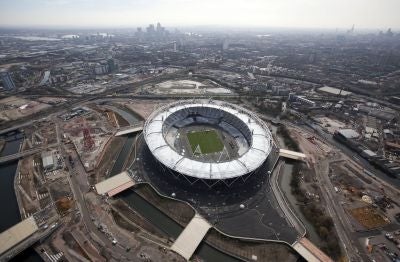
{"points": [[130, 129], [292, 154], [309, 251], [17, 233], [115, 184], [25, 153], [191, 237]]}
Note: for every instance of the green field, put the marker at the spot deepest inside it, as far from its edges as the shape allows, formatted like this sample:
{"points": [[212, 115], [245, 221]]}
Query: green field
{"points": [[208, 141]]}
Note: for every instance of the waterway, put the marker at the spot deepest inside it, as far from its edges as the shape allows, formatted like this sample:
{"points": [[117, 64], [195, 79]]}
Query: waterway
{"points": [[10, 214], [150, 212], [284, 183], [170, 227]]}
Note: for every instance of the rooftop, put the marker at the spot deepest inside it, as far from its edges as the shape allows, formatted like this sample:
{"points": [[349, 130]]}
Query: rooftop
{"points": [[260, 147], [349, 133]]}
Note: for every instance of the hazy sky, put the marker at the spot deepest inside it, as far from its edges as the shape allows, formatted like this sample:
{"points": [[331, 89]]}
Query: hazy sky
{"points": [[261, 13]]}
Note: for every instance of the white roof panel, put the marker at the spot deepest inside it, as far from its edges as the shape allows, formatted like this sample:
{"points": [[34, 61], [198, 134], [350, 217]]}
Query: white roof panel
{"points": [[249, 161]]}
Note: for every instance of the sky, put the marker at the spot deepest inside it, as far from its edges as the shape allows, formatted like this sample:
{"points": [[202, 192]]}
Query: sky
{"points": [[373, 14]]}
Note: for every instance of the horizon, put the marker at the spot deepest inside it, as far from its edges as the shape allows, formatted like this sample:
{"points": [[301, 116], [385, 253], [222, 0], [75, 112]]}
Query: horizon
{"points": [[259, 14]]}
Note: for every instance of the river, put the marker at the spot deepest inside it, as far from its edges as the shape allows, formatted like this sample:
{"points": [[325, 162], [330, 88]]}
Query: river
{"points": [[10, 210], [284, 184]]}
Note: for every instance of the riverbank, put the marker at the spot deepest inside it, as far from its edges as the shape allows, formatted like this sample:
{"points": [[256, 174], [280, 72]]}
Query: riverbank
{"points": [[2, 144], [244, 249], [9, 198]]}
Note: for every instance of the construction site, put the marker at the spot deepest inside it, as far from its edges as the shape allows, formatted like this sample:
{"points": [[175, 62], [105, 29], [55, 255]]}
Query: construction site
{"points": [[185, 86], [88, 130], [13, 108]]}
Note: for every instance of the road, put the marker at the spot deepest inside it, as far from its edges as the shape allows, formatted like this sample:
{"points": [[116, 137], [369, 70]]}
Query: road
{"points": [[10, 125], [84, 211], [336, 211]]}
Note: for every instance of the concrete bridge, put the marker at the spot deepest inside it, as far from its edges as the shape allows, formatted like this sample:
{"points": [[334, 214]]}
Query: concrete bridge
{"points": [[137, 127], [115, 184], [191, 237], [309, 251], [22, 154], [21, 236], [292, 154]]}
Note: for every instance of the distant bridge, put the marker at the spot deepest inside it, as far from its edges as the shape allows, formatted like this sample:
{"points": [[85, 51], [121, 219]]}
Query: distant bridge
{"points": [[137, 127], [292, 154], [22, 154]]}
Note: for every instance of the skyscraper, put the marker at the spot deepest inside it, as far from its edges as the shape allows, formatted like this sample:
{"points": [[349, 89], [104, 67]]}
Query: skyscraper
{"points": [[8, 83]]}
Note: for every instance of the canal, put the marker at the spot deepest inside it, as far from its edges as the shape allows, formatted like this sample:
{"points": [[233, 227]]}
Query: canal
{"points": [[284, 183], [10, 210]]}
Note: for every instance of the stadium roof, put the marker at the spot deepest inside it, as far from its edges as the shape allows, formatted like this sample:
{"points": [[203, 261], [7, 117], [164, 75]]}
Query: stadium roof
{"points": [[259, 150]]}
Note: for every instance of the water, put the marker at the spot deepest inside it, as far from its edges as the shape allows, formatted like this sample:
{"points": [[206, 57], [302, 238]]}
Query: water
{"points": [[170, 227], [10, 211], [130, 118], [34, 38], [123, 154], [284, 183]]}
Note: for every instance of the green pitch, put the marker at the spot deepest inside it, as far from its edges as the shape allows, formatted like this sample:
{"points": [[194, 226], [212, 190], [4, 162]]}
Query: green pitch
{"points": [[208, 142]]}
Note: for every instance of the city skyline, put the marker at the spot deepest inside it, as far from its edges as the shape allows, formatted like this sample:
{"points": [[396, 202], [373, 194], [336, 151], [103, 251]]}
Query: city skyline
{"points": [[370, 14]]}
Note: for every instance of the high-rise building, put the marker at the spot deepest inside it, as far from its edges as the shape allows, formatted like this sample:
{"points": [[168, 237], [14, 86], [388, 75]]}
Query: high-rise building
{"points": [[8, 83], [150, 29], [225, 44], [111, 65]]}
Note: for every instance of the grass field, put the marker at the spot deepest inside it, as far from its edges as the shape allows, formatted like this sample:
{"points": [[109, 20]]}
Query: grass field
{"points": [[208, 141]]}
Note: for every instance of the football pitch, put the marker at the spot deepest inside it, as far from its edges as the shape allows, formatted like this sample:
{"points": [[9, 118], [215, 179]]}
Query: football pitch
{"points": [[207, 141]]}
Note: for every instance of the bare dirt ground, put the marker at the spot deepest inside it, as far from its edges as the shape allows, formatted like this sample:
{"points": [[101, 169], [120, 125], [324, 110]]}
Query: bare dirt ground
{"points": [[145, 107], [108, 155], [40, 134], [100, 130], [141, 243], [310, 145], [12, 108], [368, 217]]}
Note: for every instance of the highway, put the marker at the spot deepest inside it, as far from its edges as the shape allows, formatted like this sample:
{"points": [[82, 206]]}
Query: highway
{"points": [[84, 211], [10, 125]]}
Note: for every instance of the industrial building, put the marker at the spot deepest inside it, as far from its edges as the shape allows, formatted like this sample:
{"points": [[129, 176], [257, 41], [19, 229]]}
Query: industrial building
{"points": [[8, 83], [48, 160]]}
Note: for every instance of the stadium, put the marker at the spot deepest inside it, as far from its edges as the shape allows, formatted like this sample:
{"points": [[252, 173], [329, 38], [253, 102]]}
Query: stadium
{"points": [[209, 141]]}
